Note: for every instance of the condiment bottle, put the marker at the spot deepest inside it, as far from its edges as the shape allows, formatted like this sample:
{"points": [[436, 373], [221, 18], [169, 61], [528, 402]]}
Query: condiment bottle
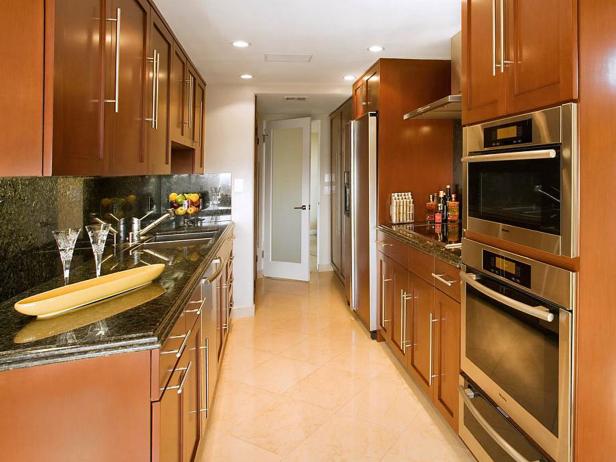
{"points": [[453, 209]]}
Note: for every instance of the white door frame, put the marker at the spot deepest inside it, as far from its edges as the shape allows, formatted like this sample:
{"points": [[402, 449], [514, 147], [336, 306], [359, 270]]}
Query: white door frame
{"points": [[286, 270]]}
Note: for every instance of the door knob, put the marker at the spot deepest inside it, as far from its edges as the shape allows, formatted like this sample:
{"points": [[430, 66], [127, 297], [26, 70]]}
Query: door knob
{"points": [[301, 207]]}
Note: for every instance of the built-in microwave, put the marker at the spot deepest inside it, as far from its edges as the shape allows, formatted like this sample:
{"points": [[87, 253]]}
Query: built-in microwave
{"points": [[521, 179]]}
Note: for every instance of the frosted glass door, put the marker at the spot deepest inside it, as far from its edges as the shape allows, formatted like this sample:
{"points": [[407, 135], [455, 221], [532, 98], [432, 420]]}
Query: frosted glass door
{"points": [[287, 165]]}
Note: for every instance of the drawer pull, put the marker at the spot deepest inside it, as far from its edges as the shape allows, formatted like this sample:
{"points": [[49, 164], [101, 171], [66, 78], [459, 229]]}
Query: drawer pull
{"points": [[440, 278], [198, 311], [386, 244], [180, 350]]}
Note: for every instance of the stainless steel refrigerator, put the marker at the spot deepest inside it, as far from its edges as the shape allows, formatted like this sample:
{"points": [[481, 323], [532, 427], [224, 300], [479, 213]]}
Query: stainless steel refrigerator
{"points": [[364, 217]]}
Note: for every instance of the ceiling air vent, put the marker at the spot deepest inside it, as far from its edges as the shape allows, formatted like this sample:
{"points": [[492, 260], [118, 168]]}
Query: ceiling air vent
{"points": [[281, 58], [295, 98]]}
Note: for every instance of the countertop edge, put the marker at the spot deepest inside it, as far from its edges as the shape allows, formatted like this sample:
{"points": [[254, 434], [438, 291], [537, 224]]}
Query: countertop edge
{"points": [[434, 249]]}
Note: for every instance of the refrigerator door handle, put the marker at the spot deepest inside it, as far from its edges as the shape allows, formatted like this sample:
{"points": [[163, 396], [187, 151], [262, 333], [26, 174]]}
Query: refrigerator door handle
{"points": [[353, 218]]}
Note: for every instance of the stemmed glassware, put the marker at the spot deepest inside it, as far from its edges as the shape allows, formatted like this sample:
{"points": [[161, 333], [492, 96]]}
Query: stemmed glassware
{"points": [[98, 237], [66, 240]]}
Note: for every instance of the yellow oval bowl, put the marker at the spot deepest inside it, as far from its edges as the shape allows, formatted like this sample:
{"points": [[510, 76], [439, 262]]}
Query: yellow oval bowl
{"points": [[67, 298]]}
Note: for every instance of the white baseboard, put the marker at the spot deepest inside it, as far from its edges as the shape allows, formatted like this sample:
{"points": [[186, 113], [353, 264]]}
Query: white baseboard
{"points": [[325, 268], [242, 312]]}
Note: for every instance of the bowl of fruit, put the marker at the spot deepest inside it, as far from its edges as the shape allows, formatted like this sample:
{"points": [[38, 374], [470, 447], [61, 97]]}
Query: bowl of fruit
{"points": [[185, 204]]}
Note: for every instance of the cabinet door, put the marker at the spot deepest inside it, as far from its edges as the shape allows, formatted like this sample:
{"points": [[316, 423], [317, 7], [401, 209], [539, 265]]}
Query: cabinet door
{"points": [[372, 92], [359, 99], [542, 44], [336, 202], [386, 295], [125, 124], [423, 325], [78, 86], [170, 435], [199, 121], [447, 357], [483, 84], [401, 296], [189, 105], [189, 390], [177, 95], [159, 60]]}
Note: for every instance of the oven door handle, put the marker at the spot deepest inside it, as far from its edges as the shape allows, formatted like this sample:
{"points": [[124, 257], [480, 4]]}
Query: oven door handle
{"points": [[518, 155], [540, 312], [510, 450]]}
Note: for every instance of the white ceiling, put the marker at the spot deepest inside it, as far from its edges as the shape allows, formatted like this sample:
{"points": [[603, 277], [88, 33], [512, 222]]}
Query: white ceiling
{"points": [[314, 104], [336, 32]]}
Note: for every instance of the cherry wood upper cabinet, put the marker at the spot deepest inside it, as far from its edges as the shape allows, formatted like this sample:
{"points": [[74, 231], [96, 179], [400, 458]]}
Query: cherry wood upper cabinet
{"points": [[78, 88], [159, 60], [518, 56], [21, 99], [482, 82], [177, 95], [542, 44], [125, 63], [366, 92], [199, 131]]}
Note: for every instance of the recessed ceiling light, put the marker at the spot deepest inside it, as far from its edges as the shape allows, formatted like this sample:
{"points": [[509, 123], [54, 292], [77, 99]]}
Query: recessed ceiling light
{"points": [[376, 48], [246, 76], [241, 44], [349, 78]]}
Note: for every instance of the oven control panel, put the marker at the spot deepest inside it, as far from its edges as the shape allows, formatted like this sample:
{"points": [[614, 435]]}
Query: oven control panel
{"points": [[509, 134], [507, 268]]}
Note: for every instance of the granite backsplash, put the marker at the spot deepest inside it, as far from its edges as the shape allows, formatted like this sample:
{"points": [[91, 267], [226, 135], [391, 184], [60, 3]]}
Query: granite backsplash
{"points": [[31, 207]]}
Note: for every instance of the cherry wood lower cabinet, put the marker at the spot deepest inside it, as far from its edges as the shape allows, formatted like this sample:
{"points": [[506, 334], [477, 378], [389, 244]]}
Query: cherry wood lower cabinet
{"points": [[420, 320]]}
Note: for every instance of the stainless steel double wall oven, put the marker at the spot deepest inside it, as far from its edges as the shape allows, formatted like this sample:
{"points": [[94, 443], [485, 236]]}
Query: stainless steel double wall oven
{"points": [[516, 384]]}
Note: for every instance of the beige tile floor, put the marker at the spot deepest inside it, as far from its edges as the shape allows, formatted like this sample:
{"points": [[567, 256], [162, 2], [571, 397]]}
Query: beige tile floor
{"points": [[302, 381]]}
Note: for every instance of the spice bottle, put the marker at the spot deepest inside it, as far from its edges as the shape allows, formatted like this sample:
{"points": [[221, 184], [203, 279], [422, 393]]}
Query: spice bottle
{"points": [[430, 209], [453, 209]]}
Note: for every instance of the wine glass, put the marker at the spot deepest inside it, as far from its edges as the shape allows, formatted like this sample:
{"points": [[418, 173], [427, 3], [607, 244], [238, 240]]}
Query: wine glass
{"points": [[98, 236], [66, 240]]}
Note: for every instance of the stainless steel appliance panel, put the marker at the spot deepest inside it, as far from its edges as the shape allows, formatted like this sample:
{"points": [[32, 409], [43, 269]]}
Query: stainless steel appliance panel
{"points": [[489, 433], [363, 217], [524, 189], [517, 341]]}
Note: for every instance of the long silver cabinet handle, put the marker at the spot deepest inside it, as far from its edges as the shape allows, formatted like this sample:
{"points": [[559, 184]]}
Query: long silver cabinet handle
{"points": [[431, 371], [503, 61], [180, 350], [383, 281], [493, 38], [152, 120], [157, 75], [439, 278], [402, 319], [405, 298], [540, 312], [518, 155], [510, 450], [118, 21], [184, 377]]}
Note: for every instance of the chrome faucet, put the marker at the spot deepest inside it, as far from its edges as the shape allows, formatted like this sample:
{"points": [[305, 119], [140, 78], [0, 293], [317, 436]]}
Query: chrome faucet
{"points": [[137, 232]]}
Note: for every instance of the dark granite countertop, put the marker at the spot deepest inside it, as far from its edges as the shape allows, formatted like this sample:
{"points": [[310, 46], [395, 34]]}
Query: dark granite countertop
{"points": [[421, 237], [139, 320]]}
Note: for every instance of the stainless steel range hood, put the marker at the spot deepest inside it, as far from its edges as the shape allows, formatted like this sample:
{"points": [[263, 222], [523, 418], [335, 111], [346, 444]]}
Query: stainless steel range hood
{"points": [[449, 107]]}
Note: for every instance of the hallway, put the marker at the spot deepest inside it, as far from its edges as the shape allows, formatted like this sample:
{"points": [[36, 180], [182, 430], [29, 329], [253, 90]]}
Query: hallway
{"points": [[303, 381]]}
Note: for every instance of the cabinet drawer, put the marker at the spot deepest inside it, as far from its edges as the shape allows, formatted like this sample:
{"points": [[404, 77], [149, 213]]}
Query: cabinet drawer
{"points": [[447, 279], [394, 249], [171, 350], [421, 264], [194, 306]]}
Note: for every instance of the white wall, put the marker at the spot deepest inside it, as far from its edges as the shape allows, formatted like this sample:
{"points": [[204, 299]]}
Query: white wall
{"points": [[229, 147]]}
